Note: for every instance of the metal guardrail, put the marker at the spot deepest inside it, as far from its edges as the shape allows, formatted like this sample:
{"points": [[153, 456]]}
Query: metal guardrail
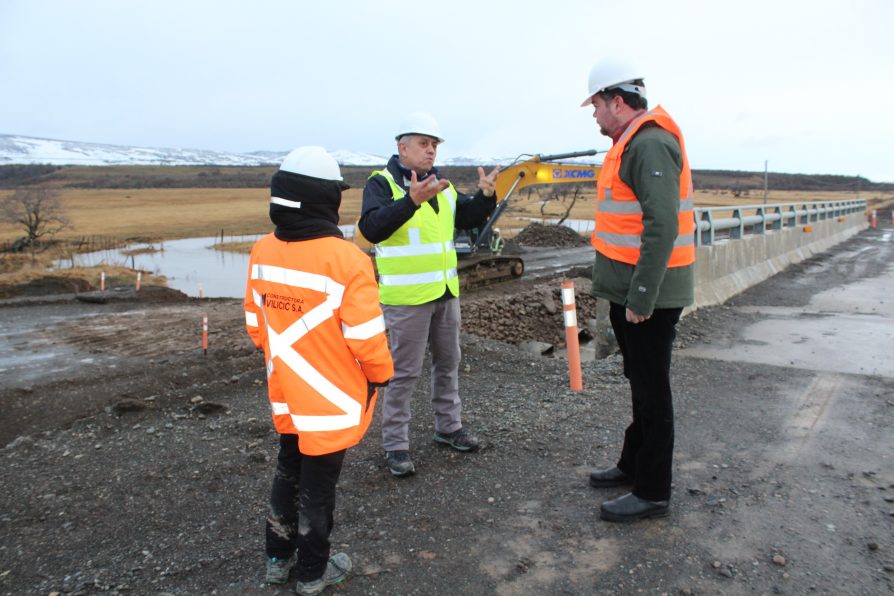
{"points": [[758, 219]]}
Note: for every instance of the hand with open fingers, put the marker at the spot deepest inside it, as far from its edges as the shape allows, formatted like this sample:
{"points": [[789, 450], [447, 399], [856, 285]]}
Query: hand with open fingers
{"points": [[488, 183], [635, 318], [427, 189]]}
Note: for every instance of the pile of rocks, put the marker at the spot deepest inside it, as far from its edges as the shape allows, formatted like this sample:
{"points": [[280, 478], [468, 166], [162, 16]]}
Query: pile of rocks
{"points": [[532, 315], [537, 234]]}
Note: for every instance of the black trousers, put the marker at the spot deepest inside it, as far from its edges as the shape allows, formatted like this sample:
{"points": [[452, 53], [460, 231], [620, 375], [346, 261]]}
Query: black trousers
{"points": [[301, 504], [648, 449]]}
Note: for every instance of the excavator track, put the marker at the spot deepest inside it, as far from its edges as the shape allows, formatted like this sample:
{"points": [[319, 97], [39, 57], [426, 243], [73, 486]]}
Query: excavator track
{"points": [[479, 271]]}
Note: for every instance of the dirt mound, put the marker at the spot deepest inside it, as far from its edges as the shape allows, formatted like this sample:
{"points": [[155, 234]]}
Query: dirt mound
{"points": [[535, 314], [537, 234], [149, 294], [43, 286]]}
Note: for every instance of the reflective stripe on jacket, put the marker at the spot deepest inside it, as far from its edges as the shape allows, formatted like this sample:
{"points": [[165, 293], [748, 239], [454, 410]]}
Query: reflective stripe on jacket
{"points": [[313, 306], [418, 261], [619, 216]]}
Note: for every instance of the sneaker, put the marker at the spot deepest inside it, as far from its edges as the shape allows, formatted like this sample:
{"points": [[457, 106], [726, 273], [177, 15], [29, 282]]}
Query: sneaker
{"points": [[461, 440], [399, 463], [278, 569], [337, 570]]}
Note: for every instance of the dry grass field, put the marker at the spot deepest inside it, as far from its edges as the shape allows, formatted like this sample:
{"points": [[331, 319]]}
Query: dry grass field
{"points": [[157, 214], [166, 214]]}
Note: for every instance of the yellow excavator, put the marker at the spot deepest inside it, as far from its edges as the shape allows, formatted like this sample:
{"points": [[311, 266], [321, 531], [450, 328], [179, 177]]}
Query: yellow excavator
{"points": [[477, 265]]}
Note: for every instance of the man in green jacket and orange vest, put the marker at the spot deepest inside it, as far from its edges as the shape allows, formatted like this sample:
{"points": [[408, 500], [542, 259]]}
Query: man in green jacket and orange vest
{"points": [[645, 251], [409, 212]]}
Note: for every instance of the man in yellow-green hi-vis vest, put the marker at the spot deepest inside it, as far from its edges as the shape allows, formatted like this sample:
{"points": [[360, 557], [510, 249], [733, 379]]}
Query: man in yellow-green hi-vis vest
{"points": [[409, 212]]}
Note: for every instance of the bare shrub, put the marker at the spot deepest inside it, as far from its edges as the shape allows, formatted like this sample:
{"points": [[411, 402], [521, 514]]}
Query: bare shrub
{"points": [[37, 211]]}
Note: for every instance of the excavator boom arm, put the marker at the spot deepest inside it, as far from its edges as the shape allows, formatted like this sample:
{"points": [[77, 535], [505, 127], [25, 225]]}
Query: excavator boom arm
{"points": [[540, 170]]}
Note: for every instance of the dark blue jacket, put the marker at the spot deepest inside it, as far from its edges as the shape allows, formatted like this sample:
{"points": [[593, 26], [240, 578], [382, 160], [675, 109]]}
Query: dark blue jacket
{"points": [[381, 215]]}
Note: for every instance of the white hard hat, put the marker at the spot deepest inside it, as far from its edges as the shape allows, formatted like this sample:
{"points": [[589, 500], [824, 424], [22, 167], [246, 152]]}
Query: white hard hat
{"points": [[419, 123], [610, 73], [313, 161]]}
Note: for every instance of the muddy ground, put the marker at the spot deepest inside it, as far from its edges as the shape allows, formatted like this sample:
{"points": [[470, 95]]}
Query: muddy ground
{"points": [[134, 463]]}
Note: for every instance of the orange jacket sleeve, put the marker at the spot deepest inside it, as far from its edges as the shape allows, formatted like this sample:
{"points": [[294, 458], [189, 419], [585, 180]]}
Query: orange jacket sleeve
{"points": [[254, 319], [363, 325]]}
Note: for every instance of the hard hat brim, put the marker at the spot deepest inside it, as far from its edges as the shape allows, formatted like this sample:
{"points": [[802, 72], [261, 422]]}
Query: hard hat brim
{"points": [[623, 85], [421, 134]]}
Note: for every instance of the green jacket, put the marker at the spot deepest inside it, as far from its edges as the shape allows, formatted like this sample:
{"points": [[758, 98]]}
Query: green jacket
{"points": [[651, 150]]}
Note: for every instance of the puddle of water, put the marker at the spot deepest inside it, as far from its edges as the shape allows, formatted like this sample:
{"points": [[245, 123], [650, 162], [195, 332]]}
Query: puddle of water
{"points": [[186, 264]]}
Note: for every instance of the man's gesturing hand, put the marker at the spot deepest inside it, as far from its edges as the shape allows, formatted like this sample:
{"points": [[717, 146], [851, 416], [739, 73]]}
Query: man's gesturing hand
{"points": [[421, 192], [488, 183]]}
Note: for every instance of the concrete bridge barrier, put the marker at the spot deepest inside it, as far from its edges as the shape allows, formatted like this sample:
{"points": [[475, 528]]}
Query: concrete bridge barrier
{"points": [[734, 253]]}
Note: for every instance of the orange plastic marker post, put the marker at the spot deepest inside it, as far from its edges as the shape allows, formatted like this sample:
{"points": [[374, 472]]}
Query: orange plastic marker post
{"points": [[102, 281], [569, 310], [204, 334], [139, 279]]}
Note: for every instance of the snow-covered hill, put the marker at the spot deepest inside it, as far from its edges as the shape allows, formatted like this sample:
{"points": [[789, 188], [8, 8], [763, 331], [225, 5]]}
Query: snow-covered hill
{"points": [[16, 149]]}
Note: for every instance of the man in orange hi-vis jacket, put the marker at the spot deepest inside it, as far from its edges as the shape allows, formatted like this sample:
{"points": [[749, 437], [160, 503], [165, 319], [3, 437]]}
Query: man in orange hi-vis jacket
{"points": [[644, 238], [312, 304]]}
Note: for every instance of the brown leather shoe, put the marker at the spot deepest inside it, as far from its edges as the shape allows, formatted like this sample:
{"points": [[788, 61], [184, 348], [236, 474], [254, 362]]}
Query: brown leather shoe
{"points": [[609, 477], [629, 507]]}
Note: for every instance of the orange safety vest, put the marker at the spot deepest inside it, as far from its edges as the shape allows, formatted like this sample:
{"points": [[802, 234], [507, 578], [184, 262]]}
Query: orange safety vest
{"points": [[314, 307], [619, 216]]}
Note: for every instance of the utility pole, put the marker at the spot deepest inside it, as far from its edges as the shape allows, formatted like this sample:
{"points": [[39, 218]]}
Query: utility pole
{"points": [[765, 182], [858, 187]]}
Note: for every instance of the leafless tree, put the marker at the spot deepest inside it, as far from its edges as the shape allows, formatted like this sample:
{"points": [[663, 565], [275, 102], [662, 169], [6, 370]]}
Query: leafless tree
{"points": [[566, 206], [570, 206], [37, 211]]}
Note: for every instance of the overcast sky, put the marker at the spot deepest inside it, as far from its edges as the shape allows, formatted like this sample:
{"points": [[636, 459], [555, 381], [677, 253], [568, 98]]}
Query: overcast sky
{"points": [[803, 84]]}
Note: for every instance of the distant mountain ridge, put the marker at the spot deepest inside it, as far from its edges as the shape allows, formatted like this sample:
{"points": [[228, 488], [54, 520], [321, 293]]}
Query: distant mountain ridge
{"points": [[22, 150], [17, 149]]}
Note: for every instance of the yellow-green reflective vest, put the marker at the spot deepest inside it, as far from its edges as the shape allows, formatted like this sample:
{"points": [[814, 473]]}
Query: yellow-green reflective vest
{"points": [[418, 261]]}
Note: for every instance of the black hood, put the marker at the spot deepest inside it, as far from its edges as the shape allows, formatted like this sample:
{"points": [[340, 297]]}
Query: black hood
{"points": [[311, 209]]}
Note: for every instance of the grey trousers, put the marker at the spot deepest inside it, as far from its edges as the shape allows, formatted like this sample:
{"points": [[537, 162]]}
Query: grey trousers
{"points": [[410, 329]]}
